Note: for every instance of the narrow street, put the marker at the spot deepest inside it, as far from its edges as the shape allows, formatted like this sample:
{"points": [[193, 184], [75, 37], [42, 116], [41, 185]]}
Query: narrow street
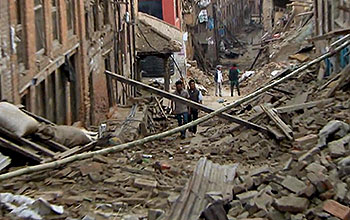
{"points": [[95, 97]]}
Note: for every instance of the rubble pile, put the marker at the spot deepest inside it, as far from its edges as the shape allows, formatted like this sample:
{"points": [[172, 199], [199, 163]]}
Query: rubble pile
{"points": [[203, 80], [312, 184], [275, 177]]}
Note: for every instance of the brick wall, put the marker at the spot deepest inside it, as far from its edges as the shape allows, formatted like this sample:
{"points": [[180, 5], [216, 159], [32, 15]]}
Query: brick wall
{"points": [[40, 80], [5, 52]]}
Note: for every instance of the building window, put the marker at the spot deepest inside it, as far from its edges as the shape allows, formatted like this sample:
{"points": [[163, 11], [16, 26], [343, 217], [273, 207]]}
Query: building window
{"points": [[19, 12], [55, 20], [39, 25], [87, 35], [70, 6], [95, 16], [177, 8], [19, 32], [105, 6]]}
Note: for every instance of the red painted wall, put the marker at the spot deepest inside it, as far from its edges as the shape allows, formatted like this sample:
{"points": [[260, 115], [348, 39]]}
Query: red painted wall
{"points": [[169, 12]]}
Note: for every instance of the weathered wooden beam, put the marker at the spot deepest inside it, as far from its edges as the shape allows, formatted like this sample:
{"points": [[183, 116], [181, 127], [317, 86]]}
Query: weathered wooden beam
{"points": [[161, 108], [186, 101], [75, 150], [292, 108], [279, 122], [330, 35], [286, 109], [53, 144], [27, 143], [12, 146], [37, 117]]}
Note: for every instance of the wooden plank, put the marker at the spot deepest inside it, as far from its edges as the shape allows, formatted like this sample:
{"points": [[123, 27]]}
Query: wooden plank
{"points": [[12, 146], [279, 122], [53, 144], [344, 79], [330, 35], [38, 118], [27, 142], [293, 108], [161, 108], [186, 101], [75, 150], [286, 109], [277, 135], [207, 177]]}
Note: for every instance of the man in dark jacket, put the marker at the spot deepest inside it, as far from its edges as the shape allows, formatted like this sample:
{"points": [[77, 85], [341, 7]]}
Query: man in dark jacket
{"points": [[234, 78], [196, 96]]}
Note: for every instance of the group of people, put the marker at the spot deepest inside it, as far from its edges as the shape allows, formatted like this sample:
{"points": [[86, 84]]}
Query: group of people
{"points": [[233, 77], [183, 113]]}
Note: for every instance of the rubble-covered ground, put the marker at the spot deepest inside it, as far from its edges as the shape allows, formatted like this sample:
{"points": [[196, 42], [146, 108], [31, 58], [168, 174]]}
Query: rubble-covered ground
{"points": [[303, 178]]}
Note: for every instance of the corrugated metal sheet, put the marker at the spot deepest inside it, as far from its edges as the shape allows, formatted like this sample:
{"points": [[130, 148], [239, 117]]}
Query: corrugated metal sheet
{"points": [[208, 177], [4, 161]]}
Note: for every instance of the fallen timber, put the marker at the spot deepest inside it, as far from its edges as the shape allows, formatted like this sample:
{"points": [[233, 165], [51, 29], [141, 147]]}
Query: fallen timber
{"points": [[186, 101], [122, 147]]}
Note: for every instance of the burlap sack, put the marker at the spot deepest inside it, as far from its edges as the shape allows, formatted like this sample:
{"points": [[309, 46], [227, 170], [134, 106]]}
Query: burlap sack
{"points": [[66, 135], [16, 121]]}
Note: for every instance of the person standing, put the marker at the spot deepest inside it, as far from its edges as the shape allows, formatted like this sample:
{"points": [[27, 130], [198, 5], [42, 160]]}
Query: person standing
{"points": [[234, 79], [196, 96], [180, 109], [218, 81]]}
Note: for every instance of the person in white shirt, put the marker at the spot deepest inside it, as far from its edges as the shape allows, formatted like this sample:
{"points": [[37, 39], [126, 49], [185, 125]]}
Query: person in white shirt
{"points": [[218, 81]]}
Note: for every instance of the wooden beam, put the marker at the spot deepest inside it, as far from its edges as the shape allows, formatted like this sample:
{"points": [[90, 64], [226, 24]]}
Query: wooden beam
{"points": [[76, 150], [161, 108], [330, 35], [36, 117], [292, 108], [53, 144], [27, 143], [186, 102], [279, 122], [344, 8], [286, 109], [12, 146]]}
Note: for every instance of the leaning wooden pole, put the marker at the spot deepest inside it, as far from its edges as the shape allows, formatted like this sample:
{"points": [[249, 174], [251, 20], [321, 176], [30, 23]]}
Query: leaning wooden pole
{"points": [[185, 101], [122, 147]]}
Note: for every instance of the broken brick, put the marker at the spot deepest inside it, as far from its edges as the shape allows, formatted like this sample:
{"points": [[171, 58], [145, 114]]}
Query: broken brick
{"points": [[294, 184], [337, 209], [291, 204], [145, 184]]}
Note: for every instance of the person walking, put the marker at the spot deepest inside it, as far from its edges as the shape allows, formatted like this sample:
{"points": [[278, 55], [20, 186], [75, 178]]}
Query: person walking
{"points": [[196, 96], [218, 81], [180, 109], [234, 79]]}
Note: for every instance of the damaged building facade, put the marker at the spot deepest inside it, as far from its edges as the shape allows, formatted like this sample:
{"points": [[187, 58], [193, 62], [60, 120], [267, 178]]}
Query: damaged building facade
{"points": [[59, 51], [332, 22], [160, 40], [208, 22]]}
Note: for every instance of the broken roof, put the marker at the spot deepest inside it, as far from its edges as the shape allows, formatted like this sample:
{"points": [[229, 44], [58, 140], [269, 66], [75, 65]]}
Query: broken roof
{"points": [[156, 36], [210, 182]]}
